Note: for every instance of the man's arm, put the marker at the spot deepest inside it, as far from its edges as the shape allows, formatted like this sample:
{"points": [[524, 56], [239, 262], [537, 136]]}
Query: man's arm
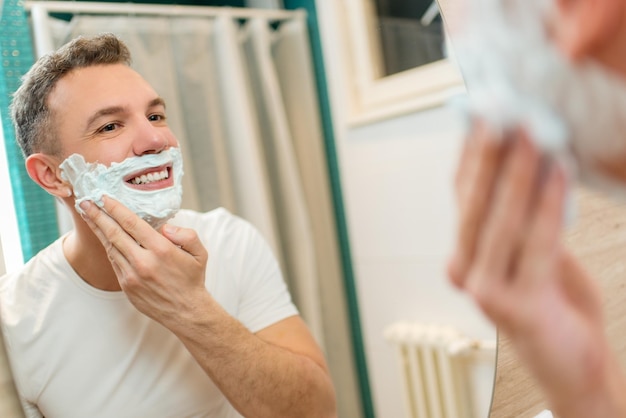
{"points": [[510, 258], [277, 372]]}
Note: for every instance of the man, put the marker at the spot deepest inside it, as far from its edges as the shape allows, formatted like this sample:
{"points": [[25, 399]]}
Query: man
{"points": [[117, 318], [510, 256]]}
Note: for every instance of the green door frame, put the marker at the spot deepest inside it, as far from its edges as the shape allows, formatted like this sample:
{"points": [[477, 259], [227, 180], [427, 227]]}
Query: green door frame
{"points": [[340, 218]]}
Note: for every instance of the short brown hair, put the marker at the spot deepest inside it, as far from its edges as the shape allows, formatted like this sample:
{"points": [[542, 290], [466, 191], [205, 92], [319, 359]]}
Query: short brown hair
{"points": [[29, 109]]}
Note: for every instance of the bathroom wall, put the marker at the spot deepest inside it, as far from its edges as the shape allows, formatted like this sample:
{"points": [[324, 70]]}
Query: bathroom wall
{"points": [[397, 176], [2, 267]]}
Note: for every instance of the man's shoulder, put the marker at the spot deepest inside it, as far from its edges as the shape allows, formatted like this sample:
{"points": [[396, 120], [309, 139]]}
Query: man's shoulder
{"points": [[28, 290], [190, 217], [46, 259], [217, 222]]}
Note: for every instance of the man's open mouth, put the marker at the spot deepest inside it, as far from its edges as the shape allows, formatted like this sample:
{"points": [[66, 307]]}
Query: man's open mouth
{"points": [[152, 175]]}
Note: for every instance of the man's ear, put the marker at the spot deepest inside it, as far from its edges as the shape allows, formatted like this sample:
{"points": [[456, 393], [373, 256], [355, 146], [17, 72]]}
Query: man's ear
{"points": [[44, 170], [585, 28]]}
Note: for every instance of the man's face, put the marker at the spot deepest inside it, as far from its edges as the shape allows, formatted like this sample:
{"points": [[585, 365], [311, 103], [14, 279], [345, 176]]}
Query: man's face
{"points": [[519, 76], [108, 113]]}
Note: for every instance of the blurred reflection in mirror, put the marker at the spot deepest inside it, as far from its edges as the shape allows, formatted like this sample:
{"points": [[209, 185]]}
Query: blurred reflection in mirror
{"points": [[411, 34]]}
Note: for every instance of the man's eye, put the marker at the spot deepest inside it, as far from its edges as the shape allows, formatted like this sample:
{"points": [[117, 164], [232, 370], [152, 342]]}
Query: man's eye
{"points": [[108, 127], [156, 118]]}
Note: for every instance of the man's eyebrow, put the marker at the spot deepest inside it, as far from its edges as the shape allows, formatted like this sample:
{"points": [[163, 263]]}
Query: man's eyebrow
{"points": [[157, 102], [105, 112]]}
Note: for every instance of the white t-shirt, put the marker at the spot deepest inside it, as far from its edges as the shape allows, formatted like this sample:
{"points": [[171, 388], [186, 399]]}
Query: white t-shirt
{"points": [[79, 352]]}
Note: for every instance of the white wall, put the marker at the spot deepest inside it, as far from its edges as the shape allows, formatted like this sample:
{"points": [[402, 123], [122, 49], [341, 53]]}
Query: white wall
{"points": [[2, 267], [397, 183]]}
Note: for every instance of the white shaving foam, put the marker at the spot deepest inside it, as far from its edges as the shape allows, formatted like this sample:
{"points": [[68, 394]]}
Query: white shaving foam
{"points": [[91, 181]]}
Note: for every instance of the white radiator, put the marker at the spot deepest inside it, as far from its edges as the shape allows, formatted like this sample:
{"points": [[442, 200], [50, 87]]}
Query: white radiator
{"points": [[437, 365]]}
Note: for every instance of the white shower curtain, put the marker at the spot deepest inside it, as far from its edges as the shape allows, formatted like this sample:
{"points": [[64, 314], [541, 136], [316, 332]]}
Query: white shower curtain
{"points": [[242, 102]]}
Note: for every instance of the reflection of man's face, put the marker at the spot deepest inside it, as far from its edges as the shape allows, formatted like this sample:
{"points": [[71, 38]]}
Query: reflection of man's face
{"points": [[108, 113], [517, 76]]}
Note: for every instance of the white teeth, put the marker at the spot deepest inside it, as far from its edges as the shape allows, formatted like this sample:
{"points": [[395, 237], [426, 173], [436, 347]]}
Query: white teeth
{"points": [[149, 178]]}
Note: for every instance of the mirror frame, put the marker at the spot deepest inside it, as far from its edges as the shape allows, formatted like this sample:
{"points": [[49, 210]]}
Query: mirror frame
{"points": [[376, 97]]}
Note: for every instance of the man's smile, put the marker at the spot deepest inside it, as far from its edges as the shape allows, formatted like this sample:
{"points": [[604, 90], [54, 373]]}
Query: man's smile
{"points": [[158, 177]]}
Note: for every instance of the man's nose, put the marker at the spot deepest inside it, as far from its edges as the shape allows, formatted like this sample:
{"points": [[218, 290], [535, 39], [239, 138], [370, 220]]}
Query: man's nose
{"points": [[150, 139]]}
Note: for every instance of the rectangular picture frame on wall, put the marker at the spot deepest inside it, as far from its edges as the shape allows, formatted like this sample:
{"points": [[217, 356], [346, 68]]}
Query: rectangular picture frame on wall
{"points": [[390, 76], [265, 4]]}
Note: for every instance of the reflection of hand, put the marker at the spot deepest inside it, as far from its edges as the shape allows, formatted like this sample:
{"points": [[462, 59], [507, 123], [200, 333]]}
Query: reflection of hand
{"points": [[511, 260], [162, 274]]}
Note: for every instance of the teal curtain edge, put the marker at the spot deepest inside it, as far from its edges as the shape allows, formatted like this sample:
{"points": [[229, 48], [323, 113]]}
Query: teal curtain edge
{"points": [[35, 209], [340, 218]]}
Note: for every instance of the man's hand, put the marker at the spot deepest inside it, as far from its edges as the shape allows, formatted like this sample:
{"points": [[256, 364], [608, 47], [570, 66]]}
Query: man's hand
{"points": [[162, 273], [510, 258]]}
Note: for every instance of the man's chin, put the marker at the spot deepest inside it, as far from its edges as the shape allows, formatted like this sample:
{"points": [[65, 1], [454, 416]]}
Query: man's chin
{"points": [[158, 222]]}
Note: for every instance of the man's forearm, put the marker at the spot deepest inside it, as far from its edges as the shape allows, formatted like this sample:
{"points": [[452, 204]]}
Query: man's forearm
{"points": [[258, 378], [600, 394]]}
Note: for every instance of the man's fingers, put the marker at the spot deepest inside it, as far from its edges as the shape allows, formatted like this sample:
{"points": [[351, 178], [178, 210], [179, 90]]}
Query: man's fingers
{"points": [[513, 198], [121, 264], [544, 232], [112, 234], [475, 183], [186, 239], [479, 161], [96, 218], [133, 226]]}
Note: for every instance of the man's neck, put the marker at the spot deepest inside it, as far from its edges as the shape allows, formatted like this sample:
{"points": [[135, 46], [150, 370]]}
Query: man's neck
{"points": [[87, 256]]}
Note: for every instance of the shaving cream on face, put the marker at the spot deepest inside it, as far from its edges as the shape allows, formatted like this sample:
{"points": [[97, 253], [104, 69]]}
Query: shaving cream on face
{"points": [[517, 77], [91, 181]]}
